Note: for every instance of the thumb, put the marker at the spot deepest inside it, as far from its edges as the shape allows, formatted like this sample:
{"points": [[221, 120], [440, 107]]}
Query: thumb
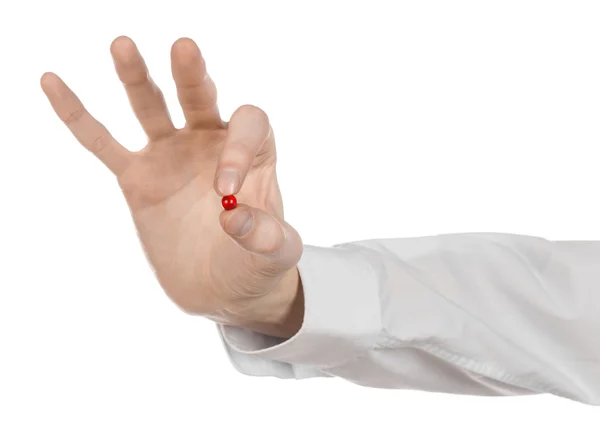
{"points": [[276, 244]]}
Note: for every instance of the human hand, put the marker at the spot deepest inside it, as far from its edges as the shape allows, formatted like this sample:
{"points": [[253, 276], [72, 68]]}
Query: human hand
{"points": [[208, 260]]}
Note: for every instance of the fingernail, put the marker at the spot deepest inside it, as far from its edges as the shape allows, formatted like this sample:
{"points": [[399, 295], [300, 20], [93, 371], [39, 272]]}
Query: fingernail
{"points": [[240, 223], [228, 182]]}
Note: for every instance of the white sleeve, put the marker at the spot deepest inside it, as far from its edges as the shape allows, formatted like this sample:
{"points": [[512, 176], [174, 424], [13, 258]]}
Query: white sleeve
{"points": [[470, 313]]}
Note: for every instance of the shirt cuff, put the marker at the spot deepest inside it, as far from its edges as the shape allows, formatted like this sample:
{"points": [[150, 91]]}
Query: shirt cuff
{"points": [[342, 316]]}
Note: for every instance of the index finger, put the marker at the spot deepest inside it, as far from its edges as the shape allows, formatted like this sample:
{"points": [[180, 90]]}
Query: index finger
{"points": [[249, 142]]}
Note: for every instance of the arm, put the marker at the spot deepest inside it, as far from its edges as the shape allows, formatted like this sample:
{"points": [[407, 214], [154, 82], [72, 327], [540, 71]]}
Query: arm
{"points": [[473, 313], [477, 313]]}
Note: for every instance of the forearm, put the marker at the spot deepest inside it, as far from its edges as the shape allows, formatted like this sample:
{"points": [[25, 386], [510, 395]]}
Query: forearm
{"points": [[480, 313]]}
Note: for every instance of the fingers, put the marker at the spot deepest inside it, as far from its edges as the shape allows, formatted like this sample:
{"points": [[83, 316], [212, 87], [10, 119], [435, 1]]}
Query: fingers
{"points": [[88, 131], [249, 139], [277, 244], [147, 101], [196, 91]]}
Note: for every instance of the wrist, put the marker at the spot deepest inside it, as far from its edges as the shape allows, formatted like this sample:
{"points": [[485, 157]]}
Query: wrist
{"points": [[279, 313]]}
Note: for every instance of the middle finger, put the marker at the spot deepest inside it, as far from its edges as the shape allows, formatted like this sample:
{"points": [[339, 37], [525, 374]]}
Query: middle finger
{"points": [[147, 101]]}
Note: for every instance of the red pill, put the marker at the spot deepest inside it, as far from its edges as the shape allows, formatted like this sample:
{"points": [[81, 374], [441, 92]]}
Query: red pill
{"points": [[229, 202]]}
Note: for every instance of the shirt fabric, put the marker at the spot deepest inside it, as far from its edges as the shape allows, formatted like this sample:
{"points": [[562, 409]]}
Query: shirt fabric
{"points": [[471, 313]]}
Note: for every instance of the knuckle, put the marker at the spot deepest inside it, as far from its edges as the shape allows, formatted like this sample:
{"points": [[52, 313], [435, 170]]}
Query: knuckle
{"points": [[270, 242], [98, 144], [73, 116], [135, 78], [272, 245]]}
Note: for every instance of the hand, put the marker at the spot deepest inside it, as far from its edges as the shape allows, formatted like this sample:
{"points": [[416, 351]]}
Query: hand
{"points": [[236, 267]]}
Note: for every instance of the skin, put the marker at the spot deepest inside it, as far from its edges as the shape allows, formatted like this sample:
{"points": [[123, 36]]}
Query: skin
{"points": [[205, 259]]}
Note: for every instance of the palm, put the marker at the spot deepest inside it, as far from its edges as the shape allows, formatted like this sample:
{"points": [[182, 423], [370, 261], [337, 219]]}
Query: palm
{"points": [[208, 260], [169, 189]]}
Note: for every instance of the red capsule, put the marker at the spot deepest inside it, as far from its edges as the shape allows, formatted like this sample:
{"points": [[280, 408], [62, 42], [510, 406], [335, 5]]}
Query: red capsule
{"points": [[229, 202]]}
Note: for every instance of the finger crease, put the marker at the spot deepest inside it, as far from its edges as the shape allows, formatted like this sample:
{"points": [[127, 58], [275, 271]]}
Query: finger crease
{"points": [[74, 116]]}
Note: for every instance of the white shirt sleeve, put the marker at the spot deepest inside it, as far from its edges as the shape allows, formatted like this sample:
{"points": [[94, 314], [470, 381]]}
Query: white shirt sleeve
{"points": [[472, 313]]}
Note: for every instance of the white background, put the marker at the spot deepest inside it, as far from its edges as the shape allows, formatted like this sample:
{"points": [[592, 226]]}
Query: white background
{"points": [[392, 119]]}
